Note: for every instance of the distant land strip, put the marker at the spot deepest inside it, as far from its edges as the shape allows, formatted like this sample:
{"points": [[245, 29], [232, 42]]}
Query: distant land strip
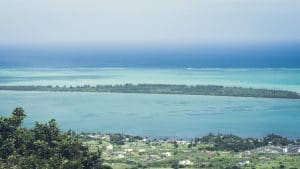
{"points": [[211, 90]]}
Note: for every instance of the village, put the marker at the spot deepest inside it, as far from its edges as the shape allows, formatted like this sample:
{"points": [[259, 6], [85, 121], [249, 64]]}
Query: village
{"points": [[124, 151]]}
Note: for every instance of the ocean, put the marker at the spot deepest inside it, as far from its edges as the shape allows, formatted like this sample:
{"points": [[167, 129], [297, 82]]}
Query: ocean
{"points": [[156, 115]]}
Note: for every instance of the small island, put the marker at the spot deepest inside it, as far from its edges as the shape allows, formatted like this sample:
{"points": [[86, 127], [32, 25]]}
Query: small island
{"points": [[210, 90]]}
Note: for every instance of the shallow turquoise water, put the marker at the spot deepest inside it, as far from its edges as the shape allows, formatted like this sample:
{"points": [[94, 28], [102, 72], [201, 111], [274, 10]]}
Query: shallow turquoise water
{"points": [[158, 115], [288, 79]]}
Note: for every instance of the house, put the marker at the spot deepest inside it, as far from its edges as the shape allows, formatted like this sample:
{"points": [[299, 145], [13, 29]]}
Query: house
{"points": [[153, 158], [109, 147], [120, 156], [248, 152], [271, 149], [167, 154], [294, 149], [244, 163], [264, 158], [94, 136], [185, 163], [181, 142], [105, 137], [285, 150], [210, 152], [153, 148]]}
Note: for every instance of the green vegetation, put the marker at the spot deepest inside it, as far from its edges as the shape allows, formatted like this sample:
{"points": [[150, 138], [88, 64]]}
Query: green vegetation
{"points": [[43, 146], [231, 142], [46, 146], [208, 152], [212, 90]]}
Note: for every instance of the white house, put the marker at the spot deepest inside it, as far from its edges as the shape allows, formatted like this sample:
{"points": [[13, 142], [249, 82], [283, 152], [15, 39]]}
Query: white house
{"points": [[109, 147], [167, 154], [182, 142], [244, 163], [185, 162], [120, 156]]}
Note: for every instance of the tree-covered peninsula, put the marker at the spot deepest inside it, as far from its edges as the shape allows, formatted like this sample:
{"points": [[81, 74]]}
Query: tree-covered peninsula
{"points": [[212, 90]]}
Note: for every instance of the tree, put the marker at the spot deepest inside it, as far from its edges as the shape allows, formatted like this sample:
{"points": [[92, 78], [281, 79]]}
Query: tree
{"points": [[276, 140], [43, 146]]}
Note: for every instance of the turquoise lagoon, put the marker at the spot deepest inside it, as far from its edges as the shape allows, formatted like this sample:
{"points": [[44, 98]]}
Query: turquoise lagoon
{"points": [[156, 115], [288, 79]]}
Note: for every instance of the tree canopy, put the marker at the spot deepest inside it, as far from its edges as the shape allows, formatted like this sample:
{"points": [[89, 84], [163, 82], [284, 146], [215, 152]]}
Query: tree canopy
{"points": [[43, 146]]}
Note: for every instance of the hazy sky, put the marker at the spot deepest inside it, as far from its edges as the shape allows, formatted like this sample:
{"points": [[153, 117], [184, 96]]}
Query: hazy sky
{"points": [[149, 21]]}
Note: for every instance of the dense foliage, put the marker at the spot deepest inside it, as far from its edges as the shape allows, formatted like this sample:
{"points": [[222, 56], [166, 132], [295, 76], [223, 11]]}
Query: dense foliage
{"points": [[276, 140], [235, 143], [166, 89], [43, 146]]}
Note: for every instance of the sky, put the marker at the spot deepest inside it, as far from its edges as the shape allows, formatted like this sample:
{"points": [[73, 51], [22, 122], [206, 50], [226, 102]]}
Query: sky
{"points": [[149, 21], [170, 33]]}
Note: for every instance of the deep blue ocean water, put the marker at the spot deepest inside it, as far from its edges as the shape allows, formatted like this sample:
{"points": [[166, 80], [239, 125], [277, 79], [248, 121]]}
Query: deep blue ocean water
{"points": [[262, 66], [159, 56]]}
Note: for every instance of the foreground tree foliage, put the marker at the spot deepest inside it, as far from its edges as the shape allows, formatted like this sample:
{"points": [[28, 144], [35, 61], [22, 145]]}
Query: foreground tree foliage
{"points": [[43, 146]]}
